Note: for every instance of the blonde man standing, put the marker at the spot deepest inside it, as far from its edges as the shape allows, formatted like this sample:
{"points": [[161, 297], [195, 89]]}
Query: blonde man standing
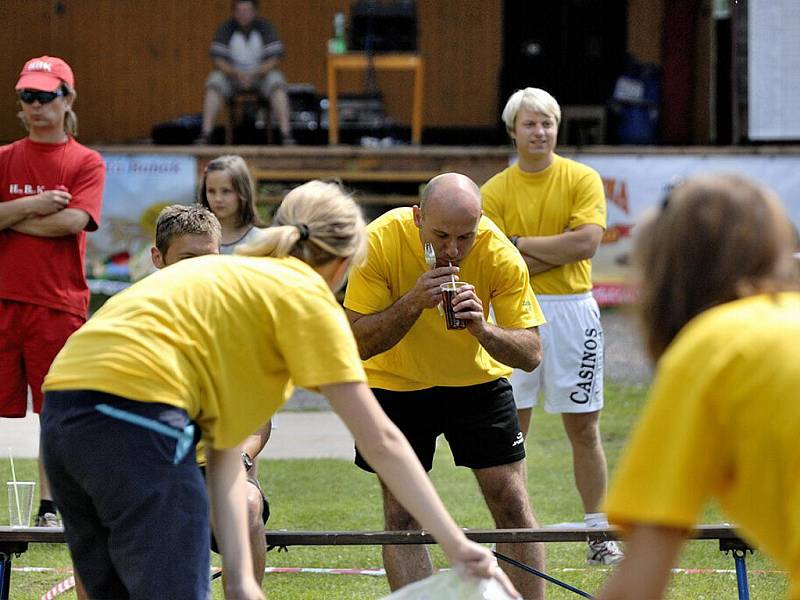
{"points": [[553, 210]]}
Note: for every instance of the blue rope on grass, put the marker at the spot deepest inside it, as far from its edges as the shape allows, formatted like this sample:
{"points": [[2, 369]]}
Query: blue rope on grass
{"points": [[544, 576]]}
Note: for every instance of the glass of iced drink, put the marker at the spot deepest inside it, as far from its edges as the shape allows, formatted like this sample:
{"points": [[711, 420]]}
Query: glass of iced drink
{"points": [[449, 291]]}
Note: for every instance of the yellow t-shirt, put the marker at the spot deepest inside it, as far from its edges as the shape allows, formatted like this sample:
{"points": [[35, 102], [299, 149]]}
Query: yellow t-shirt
{"points": [[723, 421], [218, 336], [429, 355], [565, 195]]}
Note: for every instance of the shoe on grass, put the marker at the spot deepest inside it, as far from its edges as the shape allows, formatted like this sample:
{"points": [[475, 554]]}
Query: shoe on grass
{"points": [[48, 519], [603, 552]]}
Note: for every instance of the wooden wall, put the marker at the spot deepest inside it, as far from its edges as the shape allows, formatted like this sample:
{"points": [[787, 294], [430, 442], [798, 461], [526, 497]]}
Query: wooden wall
{"points": [[140, 62], [687, 59], [645, 19]]}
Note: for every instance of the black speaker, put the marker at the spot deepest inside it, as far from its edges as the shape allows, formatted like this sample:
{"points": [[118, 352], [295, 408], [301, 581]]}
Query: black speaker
{"points": [[181, 131], [377, 26], [574, 49]]}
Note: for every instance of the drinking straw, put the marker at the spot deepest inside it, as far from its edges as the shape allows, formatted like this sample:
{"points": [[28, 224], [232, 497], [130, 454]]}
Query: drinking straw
{"points": [[452, 276], [16, 488]]}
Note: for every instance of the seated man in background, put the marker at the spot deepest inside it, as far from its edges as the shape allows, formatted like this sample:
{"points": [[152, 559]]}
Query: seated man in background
{"points": [[245, 52]]}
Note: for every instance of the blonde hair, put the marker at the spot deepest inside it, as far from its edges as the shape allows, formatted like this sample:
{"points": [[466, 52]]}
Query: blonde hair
{"points": [[534, 99], [242, 183], [716, 238], [70, 118], [316, 222]]}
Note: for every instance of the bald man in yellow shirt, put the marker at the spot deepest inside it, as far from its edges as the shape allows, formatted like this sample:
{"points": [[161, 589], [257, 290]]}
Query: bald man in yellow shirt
{"points": [[431, 380]]}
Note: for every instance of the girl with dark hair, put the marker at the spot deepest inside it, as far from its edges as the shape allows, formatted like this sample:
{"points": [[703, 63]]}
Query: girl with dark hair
{"points": [[227, 190]]}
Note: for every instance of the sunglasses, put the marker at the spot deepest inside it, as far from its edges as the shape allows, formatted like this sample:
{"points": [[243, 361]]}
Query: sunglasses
{"points": [[31, 96]]}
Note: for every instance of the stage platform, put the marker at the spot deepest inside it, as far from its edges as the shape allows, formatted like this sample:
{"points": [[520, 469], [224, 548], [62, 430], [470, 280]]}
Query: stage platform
{"points": [[392, 176], [143, 178]]}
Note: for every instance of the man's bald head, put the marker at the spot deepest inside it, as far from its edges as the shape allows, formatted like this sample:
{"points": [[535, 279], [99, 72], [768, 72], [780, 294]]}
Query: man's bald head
{"points": [[452, 192], [448, 215]]}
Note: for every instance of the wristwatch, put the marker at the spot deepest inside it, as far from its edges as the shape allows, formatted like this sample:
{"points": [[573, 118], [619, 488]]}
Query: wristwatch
{"points": [[247, 462]]}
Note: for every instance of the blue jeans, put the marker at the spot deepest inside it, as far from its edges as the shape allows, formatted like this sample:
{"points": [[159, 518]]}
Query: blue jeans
{"points": [[136, 523]]}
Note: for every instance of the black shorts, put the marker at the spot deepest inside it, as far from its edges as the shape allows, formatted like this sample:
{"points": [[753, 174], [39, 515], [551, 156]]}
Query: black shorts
{"points": [[479, 421]]}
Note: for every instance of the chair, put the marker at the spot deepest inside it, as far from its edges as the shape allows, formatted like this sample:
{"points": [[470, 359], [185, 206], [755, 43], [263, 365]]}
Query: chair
{"points": [[582, 125], [249, 106]]}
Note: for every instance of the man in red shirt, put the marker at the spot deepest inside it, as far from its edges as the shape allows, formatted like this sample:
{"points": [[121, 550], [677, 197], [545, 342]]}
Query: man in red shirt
{"points": [[51, 190]]}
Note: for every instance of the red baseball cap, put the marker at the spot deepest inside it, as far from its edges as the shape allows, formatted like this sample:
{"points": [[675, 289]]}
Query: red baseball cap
{"points": [[45, 73]]}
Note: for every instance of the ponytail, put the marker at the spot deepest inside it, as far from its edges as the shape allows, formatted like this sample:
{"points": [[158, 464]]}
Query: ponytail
{"points": [[316, 223]]}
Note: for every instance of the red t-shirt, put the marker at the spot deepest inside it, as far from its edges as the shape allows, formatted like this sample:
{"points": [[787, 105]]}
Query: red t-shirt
{"points": [[49, 271]]}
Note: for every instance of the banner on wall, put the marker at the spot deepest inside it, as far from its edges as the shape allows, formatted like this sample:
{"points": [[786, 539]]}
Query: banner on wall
{"points": [[137, 187], [635, 184]]}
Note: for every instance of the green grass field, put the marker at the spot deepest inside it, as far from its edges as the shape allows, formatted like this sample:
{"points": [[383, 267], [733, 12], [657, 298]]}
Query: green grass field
{"points": [[334, 495]]}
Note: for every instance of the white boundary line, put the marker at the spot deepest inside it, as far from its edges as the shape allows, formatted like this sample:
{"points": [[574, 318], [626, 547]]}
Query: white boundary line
{"points": [[69, 582]]}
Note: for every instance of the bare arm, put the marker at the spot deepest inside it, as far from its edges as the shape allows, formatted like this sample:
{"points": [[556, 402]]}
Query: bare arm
{"points": [[388, 452], [536, 266], [46, 203], [267, 66], [517, 348], [255, 443], [224, 66], [226, 492], [565, 248], [650, 553], [66, 222], [245, 78], [378, 332]]}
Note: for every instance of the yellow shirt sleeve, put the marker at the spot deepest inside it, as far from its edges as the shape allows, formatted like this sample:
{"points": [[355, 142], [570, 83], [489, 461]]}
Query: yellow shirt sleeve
{"points": [[590, 201], [492, 204], [515, 305], [367, 288], [317, 343]]}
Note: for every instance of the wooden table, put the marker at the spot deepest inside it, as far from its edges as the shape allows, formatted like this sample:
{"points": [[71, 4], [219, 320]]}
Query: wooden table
{"points": [[14, 541], [358, 61]]}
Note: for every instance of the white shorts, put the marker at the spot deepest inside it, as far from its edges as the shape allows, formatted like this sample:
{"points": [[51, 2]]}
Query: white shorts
{"points": [[571, 373]]}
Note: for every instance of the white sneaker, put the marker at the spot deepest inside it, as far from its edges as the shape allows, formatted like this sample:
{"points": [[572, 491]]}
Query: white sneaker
{"points": [[601, 552], [47, 520]]}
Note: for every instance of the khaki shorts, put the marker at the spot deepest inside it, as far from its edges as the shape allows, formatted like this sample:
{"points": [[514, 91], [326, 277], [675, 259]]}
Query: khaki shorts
{"points": [[228, 86]]}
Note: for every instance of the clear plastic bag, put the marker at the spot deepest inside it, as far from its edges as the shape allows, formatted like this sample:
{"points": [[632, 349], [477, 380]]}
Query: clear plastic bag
{"points": [[449, 585]]}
